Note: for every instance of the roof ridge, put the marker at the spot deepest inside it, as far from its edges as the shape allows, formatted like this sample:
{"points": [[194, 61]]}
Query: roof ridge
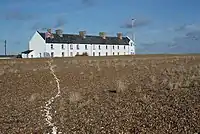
{"points": [[78, 34], [90, 39]]}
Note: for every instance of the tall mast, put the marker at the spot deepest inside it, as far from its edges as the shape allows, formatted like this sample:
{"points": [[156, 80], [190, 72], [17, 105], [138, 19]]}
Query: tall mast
{"points": [[133, 36]]}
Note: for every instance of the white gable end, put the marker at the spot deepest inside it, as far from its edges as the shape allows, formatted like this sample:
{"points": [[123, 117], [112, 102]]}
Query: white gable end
{"points": [[37, 44]]}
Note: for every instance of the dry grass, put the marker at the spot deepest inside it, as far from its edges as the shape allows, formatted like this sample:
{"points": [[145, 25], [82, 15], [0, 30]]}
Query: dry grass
{"points": [[126, 94], [74, 97]]}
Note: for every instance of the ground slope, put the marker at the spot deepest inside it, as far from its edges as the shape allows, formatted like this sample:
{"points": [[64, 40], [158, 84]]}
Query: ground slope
{"points": [[140, 94]]}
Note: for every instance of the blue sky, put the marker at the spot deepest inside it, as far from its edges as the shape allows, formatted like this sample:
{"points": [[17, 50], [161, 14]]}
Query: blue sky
{"points": [[162, 26]]}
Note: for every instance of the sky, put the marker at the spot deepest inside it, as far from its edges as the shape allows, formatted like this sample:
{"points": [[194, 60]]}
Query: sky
{"points": [[161, 26]]}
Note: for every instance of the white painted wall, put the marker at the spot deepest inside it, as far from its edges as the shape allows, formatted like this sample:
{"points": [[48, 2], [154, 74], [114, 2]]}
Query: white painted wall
{"points": [[71, 50], [131, 46], [37, 44], [24, 56]]}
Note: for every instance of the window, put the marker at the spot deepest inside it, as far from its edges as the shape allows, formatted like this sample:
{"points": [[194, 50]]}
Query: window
{"points": [[118, 47], [86, 47], [99, 47], [52, 54], [118, 53], [31, 56], [106, 47], [93, 47], [113, 53], [71, 47], [113, 47], [63, 46], [63, 54], [99, 54], [124, 47], [77, 53], [77, 46], [40, 55], [51, 46], [106, 53], [93, 53], [131, 43], [71, 53]]}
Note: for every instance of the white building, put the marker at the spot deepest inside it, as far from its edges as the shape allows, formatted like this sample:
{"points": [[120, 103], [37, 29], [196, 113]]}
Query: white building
{"points": [[69, 45]]}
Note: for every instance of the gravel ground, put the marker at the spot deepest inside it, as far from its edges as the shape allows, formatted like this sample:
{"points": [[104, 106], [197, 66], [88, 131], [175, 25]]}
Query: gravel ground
{"points": [[144, 94]]}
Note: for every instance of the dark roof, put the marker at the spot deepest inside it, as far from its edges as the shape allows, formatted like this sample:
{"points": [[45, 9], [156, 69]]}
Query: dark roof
{"points": [[89, 39], [27, 51]]}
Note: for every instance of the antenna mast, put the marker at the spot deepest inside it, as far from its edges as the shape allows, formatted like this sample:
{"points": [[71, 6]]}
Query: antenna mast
{"points": [[133, 36]]}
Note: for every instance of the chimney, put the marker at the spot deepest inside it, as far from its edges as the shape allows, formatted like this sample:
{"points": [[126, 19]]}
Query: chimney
{"points": [[119, 35], [59, 32], [49, 30], [49, 34], [82, 34], [102, 34]]}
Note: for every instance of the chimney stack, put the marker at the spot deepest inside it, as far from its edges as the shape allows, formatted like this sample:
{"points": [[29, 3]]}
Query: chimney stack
{"points": [[102, 34], [49, 34], [82, 34], [119, 35], [59, 32], [49, 30]]}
